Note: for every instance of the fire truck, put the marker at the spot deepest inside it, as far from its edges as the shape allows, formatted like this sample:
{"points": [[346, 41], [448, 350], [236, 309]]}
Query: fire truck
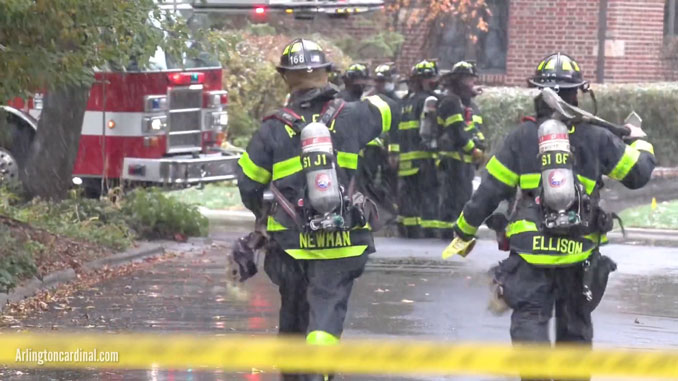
{"points": [[161, 124]]}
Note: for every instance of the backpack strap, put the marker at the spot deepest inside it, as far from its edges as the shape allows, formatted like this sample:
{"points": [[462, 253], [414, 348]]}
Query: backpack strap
{"points": [[332, 110], [288, 117]]}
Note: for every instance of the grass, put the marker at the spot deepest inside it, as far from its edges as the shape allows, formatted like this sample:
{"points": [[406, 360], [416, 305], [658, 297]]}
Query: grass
{"points": [[665, 216], [218, 196]]}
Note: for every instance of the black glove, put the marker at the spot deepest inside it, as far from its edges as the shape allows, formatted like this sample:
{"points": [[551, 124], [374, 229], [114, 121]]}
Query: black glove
{"points": [[243, 255]]}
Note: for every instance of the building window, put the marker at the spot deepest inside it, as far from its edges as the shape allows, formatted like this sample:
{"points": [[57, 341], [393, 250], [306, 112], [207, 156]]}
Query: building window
{"points": [[490, 50], [670, 24]]}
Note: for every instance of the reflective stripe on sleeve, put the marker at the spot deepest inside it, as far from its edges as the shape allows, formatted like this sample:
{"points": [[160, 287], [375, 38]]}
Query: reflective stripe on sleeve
{"points": [[394, 148], [642, 145], [477, 119], [450, 120], [589, 184], [500, 172], [347, 160], [469, 146], [253, 171], [287, 168], [464, 226], [412, 124], [384, 109], [625, 164]]}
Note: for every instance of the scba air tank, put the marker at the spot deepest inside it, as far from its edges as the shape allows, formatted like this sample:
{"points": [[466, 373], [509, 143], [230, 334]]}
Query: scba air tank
{"points": [[317, 159], [556, 164]]}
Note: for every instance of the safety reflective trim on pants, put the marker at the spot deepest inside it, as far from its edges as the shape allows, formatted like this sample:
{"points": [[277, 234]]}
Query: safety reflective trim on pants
{"points": [[394, 148], [520, 226], [408, 221], [334, 253], [477, 119], [464, 226], [625, 164], [530, 180], [347, 160], [274, 226], [642, 145], [433, 224], [555, 260], [408, 172], [287, 167], [412, 124], [416, 155], [253, 171], [450, 120], [500, 172], [384, 109], [456, 156], [589, 184], [321, 338], [469, 146]]}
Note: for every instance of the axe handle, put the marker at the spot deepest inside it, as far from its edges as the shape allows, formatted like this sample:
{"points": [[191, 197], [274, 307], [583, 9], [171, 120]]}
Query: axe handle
{"points": [[616, 129]]}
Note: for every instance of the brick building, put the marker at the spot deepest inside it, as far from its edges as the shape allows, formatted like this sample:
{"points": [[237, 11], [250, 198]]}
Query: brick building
{"points": [[638, 40]]}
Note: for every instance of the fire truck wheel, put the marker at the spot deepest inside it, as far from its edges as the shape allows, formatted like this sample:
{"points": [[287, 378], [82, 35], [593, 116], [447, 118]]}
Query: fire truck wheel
{"points": [[9, 167]]}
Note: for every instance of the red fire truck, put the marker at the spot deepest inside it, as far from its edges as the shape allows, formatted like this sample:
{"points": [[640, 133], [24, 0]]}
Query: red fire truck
{"points": [[162, 124]]}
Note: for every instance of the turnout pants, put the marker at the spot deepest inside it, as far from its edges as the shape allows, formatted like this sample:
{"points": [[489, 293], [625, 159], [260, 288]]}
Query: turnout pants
{"points": [[314, 295], [418, 202], [456, 190], [534, 292]]}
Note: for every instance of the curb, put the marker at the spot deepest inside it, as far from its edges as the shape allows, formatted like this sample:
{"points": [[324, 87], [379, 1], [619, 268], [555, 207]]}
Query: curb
{"points": [[54, 279]]}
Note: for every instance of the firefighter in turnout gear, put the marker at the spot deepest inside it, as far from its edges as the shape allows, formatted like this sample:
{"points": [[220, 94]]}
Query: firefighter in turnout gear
{"points": [[385, 76], [318, 224], [461, 143], [418, 185], [356, 79], [557, 226]]}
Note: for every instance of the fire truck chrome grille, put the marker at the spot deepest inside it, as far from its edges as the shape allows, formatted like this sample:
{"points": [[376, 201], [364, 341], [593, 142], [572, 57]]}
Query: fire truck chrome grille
{"points": [[185, 119]]}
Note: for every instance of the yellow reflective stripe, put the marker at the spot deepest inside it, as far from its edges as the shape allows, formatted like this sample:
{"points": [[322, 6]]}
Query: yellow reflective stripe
{"points": [[469, 146], [471, 126], [287, 168], [500, 172], [642, 145], [530, 180], [555, 260], [385, 111], [589, 184], [274, 226], [477, 119], [464, 226], [456, 156], [376, 143], [480, 135], [595, 236], [321, 338], [450, 120], [520, 226], [253, 171], [394, 148], [416, 155], [407, 172], [625, 164], [408, 221], [408, 125], [334, 253], [431, 224], [347, 160]]}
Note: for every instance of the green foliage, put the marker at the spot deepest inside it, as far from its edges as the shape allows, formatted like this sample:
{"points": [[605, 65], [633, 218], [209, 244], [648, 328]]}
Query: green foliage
{"points": [[152, 213], [382, 45], [213, 196], [656, 103], [17, 259], [664, 217], [56, 43]]}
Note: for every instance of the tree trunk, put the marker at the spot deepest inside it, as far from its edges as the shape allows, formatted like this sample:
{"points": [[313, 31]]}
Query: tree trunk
{"points": [[48, 170]]}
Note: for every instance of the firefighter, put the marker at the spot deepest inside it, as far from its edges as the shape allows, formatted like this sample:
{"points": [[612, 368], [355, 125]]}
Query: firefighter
{"points": [[417, 187], [554, 259], [315, 250], [461, 142], [385, 76], [356, 79]]}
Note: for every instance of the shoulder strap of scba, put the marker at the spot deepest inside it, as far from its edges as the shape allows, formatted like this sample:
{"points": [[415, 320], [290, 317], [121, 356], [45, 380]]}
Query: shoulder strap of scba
{"points": [[296, 122]]}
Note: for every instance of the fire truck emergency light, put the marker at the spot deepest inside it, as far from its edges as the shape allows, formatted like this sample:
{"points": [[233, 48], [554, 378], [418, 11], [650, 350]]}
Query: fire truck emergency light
{"points": [[260, 10], [213, 99], [186, 78]]}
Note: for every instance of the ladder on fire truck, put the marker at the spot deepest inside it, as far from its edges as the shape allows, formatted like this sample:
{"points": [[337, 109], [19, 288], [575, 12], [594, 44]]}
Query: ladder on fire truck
{"points": [[297, 8]]}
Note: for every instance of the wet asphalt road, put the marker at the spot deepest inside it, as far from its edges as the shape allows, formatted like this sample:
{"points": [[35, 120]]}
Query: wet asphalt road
{"points": [[404, 293]]}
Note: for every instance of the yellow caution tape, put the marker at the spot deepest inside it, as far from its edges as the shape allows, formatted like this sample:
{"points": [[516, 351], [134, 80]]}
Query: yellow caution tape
{"points": [[460, 247], [240, 353]]}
